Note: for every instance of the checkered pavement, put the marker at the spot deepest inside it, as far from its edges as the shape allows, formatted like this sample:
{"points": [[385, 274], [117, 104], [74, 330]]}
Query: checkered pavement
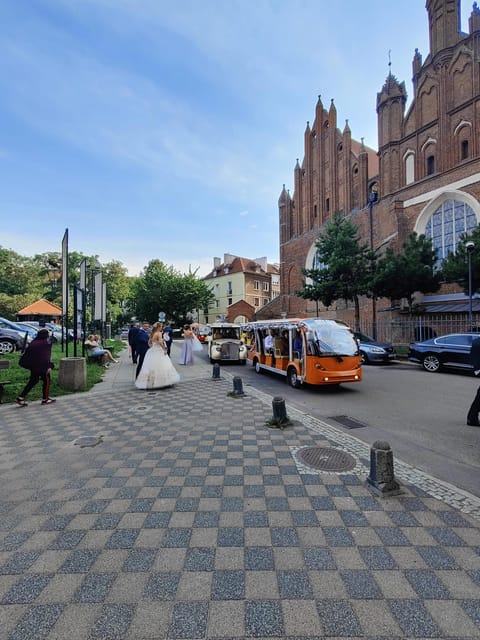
{"points": [[192, 519]]}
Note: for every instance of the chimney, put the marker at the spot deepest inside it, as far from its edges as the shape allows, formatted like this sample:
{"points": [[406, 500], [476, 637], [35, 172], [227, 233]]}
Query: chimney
{"points": [[262, 262], [216, 263]]}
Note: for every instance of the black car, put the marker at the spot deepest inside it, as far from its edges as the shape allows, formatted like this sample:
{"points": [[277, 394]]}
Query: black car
{"points": [[451, 351], [374, 351]]}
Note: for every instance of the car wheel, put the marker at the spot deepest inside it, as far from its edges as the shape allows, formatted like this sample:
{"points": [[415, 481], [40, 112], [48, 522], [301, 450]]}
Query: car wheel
{"points": [[6, 346], [256, 364], [431, 363], [364, 357], [292, 378]]}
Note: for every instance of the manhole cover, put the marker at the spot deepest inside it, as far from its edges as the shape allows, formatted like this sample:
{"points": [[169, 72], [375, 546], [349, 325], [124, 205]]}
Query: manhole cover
{"points": [[88, 441], [326, 459]]}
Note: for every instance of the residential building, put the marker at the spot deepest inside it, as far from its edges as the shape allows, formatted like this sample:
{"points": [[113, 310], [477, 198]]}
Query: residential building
{"points": [[425, 176], [241, 287]]}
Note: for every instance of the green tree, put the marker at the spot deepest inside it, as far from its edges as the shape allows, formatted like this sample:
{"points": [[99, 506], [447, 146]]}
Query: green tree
{"points": [[162, 288], [455, 265], [414, 269], [344, 266]]}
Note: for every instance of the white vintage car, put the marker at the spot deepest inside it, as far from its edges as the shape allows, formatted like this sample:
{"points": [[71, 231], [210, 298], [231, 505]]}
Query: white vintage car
{"points": [[225, 343]]}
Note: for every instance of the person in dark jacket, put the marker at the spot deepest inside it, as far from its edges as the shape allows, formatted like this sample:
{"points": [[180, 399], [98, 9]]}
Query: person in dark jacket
{"points": [[472, 415], [141, 345], [131, 337], [38, 358]]}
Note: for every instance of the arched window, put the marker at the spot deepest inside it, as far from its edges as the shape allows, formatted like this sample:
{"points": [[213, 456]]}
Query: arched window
{"points": [[410, 168], [447, 224], [464, 150], [430, 165]]}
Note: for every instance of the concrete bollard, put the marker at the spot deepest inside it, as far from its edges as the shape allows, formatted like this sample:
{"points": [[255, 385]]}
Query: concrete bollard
{"points": [[216, 371], [72, 373], [279, 410], [238, 386], [382, 479]]}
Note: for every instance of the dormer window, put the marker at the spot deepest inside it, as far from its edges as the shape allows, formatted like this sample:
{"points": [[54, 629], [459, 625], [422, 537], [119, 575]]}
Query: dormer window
{"points": [[225, 270], [215, 273]]}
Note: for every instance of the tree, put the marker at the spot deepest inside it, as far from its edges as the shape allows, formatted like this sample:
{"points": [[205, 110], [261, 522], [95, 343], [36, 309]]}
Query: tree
{"points": [[401, 275], [455, 265], [344, 266], [162, 288]]}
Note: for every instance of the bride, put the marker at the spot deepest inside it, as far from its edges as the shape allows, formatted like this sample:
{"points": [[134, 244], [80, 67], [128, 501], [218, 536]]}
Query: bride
{"points": [[157, 369]]}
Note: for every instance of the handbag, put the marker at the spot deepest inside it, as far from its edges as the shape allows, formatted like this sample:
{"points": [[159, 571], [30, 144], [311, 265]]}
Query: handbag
{"points": [[24, 360]]}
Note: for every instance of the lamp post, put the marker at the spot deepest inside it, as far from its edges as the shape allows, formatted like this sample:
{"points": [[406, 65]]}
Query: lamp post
{"points": [[470, 246], [372, 198]]}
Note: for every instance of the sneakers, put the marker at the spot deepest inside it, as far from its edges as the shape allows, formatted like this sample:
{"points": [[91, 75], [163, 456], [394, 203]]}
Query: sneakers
{"points": [[49, 401], [21, 402]]}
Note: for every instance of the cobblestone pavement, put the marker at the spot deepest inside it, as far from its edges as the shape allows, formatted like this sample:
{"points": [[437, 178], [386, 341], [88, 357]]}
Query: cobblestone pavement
{"points": [[192, 519]]}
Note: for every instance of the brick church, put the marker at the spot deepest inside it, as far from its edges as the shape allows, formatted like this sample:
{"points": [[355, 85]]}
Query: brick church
{"points": [[426, 173]]}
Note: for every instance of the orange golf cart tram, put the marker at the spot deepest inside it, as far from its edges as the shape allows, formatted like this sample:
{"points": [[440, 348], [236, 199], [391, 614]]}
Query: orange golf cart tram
{"points": [[315, 351]]}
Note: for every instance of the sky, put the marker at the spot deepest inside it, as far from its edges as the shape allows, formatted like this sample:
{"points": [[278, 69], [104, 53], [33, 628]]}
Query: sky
{"points": [[154, 129]]}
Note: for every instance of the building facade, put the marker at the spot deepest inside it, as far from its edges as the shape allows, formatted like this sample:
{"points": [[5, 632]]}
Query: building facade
{"points": [[241, 287], [426, 173]]}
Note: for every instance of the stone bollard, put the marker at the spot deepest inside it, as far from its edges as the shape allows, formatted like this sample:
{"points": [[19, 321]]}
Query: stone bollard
{"points": [[238, 386], [381, 479], [72, 373], [279, 410], [216, 372]]}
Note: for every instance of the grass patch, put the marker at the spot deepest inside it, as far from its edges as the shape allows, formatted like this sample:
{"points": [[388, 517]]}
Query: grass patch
{"points": [[19, 376]]}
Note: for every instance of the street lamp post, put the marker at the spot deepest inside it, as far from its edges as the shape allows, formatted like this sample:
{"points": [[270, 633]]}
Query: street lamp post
{"points": [[372, 198], [470, 246]]}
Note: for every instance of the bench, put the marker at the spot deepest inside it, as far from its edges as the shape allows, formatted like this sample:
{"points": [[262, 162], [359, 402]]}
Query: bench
{"points": [[91, 358], [4, 364]]}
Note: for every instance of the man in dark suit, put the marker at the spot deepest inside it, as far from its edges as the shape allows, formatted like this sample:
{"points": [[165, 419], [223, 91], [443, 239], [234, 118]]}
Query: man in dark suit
{"points": [[132, 333], [472, 415], [141, 345], [168, 337]]}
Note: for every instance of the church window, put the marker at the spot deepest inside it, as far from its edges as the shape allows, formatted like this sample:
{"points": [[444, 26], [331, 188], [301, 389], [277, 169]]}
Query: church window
{"points": [[447, 225], [464, 150], [430, 165], [410, 168], [314, 210], [327, 205]]}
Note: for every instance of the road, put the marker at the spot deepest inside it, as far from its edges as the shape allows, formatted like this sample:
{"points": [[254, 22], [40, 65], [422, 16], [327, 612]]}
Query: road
{"points": [[422, 415]]}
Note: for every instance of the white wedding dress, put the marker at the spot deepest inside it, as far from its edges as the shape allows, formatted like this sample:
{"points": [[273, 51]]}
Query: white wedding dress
{"points": [[157, 370]]}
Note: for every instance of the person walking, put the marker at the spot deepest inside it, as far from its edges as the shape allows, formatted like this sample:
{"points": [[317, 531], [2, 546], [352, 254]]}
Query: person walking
{"points": [[186, 357], [168, 337], [472, 415], [38, 358], [141, 345], [131, 336]]}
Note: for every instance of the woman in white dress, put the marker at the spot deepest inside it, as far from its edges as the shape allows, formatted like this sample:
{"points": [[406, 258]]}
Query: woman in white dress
{"points": [[157, 370]]}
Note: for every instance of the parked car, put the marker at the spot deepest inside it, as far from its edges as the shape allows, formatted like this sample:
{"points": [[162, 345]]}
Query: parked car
{"points": [[203, 333], [374, 351], [451, 351], [11, 340], [22, 330]]}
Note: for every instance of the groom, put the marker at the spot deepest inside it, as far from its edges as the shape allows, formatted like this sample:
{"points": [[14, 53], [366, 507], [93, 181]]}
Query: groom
{"points": [[141, 344]]}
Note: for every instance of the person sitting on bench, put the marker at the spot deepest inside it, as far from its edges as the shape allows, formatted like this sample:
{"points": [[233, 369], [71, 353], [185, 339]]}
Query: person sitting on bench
{"points": [[97, 351]]}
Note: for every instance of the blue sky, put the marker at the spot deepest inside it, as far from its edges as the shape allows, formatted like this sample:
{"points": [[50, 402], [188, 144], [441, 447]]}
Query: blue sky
{"points": [[157, 129]]}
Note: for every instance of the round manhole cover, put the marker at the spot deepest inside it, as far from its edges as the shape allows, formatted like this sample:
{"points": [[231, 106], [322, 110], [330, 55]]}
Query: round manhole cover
{"points": [[326, 459]]}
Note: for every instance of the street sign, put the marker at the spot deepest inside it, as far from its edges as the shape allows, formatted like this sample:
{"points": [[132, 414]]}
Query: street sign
{"points": [[161, 316]]}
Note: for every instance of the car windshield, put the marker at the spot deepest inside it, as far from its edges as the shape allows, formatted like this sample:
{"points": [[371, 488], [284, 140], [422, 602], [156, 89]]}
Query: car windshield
{"points": [[327, 337], [221, 333]]}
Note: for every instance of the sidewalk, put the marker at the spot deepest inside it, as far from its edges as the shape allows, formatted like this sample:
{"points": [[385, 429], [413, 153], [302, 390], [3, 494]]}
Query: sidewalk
{"points": [[191, 519]]}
